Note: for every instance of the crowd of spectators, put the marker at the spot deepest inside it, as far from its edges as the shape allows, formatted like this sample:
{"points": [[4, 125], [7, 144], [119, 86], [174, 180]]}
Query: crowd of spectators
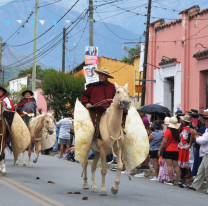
{"points": [[178, 148]]}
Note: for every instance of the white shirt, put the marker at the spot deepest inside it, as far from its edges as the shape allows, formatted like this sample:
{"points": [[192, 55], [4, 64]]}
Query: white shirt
{"points": [[203, 141], [6, 99]]}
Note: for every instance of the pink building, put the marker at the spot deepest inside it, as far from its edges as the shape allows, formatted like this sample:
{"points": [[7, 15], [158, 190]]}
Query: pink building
{"points": [[180, 49], [40, 100]]}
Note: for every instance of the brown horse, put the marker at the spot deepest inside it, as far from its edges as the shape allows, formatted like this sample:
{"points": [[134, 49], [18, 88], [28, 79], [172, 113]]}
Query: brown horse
{"points": [[4, 136]]}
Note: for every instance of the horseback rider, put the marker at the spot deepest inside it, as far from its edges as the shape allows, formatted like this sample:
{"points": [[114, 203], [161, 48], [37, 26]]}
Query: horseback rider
{"points": [[98, 96], [27, 104], [4, 99]]}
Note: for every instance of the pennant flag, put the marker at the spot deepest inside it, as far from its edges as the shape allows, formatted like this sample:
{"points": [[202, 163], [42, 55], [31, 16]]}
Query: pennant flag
{"points": [[7, 21], [55, 22], [42, 21], [67, 21], [32, 21], [90, 26], [19, 21]]}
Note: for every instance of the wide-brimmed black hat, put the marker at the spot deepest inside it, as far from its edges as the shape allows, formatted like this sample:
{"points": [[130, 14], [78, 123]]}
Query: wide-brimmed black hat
{"points": [[193, 111], [3, 89], [157, 125], [23, 93]]}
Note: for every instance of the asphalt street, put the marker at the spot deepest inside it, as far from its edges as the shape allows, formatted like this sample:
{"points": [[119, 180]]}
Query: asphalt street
{"points": [[20, 187]]}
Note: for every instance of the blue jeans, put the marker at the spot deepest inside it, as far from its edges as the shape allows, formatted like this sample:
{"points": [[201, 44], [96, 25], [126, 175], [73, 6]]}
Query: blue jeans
{"points": [[55, 146]]}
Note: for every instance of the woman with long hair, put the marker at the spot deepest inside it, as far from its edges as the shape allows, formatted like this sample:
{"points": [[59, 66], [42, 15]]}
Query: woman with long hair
{"points": [[171, 138], [94, 53]]}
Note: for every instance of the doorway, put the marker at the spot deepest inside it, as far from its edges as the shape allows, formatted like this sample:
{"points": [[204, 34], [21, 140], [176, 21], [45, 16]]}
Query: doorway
{"points": [[169, 94]]}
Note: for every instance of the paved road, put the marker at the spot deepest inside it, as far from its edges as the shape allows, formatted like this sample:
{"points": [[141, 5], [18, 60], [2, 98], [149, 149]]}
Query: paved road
{"points": [[20, 187]]}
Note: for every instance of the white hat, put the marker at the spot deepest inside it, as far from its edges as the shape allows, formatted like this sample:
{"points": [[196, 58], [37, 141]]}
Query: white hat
{"points": [[173, 123], [167, 120]]}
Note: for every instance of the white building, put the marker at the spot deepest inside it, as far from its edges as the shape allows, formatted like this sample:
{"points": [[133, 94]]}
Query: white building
{"points": [[16, 83]]}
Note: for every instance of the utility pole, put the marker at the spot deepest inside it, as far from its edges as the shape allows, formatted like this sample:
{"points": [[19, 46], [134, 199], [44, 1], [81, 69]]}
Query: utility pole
{"points": [[91, 41], [63, 50], [1, 44], [145, 53], [3, 74], [35, 46]]}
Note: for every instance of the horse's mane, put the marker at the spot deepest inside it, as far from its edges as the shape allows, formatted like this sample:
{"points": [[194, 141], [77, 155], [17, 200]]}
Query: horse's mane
{"points": [[35, 122]]}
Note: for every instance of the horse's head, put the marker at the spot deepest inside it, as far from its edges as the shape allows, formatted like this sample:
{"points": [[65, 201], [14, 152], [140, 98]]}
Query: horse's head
{"points": [[121, 98], [48, 123]]}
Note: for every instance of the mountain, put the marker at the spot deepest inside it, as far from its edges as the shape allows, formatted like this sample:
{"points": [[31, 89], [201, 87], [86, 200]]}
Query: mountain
{"points": [[109, 44]]}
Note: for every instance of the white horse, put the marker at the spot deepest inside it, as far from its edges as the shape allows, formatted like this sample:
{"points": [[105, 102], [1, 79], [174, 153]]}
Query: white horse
{"points": [[39, 127]]}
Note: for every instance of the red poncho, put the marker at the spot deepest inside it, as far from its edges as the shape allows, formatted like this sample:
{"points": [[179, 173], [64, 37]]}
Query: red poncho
{"points": [[97, 92]]}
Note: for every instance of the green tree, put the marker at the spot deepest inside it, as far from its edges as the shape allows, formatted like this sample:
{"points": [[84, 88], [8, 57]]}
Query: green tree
{"points": [[62, 88], [131, 52], [39, 71]]}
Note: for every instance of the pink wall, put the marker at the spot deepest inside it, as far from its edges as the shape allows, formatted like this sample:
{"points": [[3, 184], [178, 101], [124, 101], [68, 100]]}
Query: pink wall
{"points": [[182, 47], [41, 102]]}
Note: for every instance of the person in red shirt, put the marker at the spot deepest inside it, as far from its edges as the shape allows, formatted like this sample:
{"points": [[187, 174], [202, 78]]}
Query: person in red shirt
{"points": [[170, 142], [98, 96]]}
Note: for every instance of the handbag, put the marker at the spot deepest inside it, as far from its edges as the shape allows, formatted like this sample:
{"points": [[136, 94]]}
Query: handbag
{"points": [[164, 148]]}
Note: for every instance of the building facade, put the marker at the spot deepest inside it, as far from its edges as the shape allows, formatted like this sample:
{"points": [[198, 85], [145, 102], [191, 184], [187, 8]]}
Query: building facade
{"points": [[122, 72], [178, 51]]}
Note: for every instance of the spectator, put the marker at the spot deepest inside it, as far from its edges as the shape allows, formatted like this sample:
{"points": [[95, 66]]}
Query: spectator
{"points": [[64, 133], [163, 171], [155, 141], [178, 111], [145, 164], [183, 159], [197, 158], [160, 118], [203, 168], [170, 141], [55, 147]]}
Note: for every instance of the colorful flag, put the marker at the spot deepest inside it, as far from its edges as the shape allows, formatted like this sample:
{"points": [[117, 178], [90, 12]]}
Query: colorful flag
{"points": [[7, 21], [67, 21], [55, 22], [19, 21], [42, 21], [32, 21]]}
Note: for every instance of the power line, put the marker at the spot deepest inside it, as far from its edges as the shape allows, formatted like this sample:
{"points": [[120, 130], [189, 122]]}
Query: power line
{"points": [[53, 46], [49, 28]]}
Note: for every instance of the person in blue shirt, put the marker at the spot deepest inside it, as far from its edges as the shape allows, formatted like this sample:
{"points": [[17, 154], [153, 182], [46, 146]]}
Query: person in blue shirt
{"points": [[55, 147]]}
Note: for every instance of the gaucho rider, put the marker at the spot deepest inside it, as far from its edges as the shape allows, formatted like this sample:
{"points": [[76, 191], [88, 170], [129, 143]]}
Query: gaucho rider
{"points": [[98, 96], [27, 104], [4, 99]]}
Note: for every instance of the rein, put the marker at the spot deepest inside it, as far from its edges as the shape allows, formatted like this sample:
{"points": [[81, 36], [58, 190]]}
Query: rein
{"points": [[101, 102]]}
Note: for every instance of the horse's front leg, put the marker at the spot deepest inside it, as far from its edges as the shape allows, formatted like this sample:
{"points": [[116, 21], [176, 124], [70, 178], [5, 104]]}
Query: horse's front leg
{"points": [[38, 150], [114, 189], [93, 169], [16, 163], [23, 159], [0, 166], [29, 155], [103, 190], [85, 184], [2, 158]]}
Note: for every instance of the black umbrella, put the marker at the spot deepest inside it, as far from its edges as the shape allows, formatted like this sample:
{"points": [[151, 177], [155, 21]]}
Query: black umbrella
{"points": [[153, 108]]}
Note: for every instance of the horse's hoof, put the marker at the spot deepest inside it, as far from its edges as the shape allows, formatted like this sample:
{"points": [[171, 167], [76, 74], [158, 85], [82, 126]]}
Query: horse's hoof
{"points": [[86, 186], [103, 192], [16, 163], [34, 161], [94, 189], [114, 191], [3, 172], [24, 164], [30, 166]]}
